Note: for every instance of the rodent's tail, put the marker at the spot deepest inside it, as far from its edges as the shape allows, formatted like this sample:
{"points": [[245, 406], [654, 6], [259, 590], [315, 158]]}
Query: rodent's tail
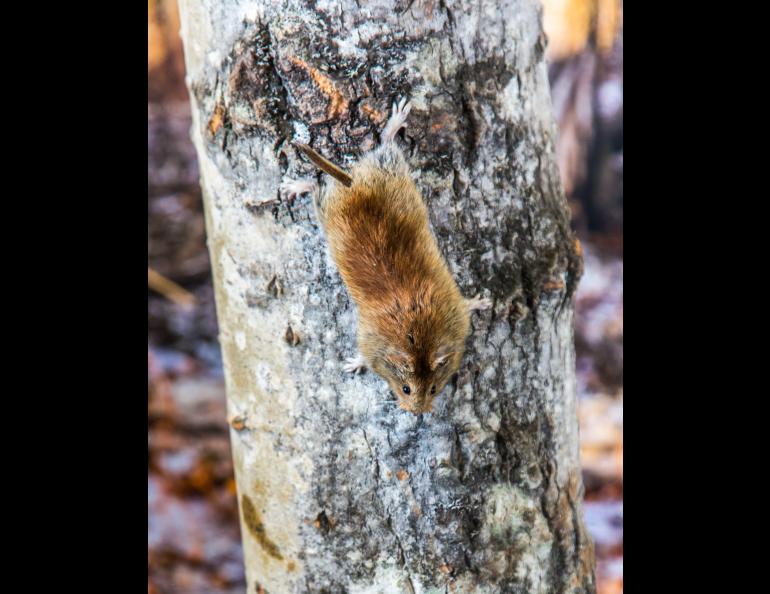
{"points": [[325, 165]]}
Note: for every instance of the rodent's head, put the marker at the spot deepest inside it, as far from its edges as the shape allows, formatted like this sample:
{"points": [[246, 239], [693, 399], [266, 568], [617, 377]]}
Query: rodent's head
{"points": [[417, 378]]}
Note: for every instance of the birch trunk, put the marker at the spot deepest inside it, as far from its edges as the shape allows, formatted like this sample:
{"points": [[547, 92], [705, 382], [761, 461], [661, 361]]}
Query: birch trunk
{"points": [[339, 490]]}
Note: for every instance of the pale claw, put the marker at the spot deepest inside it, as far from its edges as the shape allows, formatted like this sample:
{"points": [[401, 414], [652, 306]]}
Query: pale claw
{"points": [[397, 119], [354, 364], [478, 303], [294, 187]]}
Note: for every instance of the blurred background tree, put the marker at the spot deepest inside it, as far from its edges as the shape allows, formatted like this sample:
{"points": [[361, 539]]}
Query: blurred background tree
{"points": [[193, 539], [585, 52]]}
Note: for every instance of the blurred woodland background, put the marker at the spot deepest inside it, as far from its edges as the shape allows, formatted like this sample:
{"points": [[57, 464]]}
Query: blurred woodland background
{"points": [[193, 536]]}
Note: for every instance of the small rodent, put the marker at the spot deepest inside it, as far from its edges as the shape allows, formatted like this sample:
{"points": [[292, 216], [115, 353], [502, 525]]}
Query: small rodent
{"points": [[413, 320]]}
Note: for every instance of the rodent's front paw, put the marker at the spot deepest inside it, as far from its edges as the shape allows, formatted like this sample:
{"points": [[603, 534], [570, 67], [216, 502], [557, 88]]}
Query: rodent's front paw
{"points": [[354, 364], [397, 119], [401, 109], [294, 187], [478, 303]]}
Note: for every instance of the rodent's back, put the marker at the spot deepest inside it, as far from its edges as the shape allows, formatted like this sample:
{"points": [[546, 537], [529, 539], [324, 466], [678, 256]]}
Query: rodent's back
{"points": [[380, 238]]}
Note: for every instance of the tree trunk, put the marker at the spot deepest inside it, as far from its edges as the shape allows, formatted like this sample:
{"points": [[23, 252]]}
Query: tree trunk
{"points": [[340, 491]]}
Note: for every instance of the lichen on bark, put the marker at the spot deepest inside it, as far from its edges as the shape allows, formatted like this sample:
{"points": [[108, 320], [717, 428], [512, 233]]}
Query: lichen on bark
{"points": [[346, 492]]}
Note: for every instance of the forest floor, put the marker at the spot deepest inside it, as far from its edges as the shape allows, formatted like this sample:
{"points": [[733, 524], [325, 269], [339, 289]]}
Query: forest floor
{"points": [[193, 534]]}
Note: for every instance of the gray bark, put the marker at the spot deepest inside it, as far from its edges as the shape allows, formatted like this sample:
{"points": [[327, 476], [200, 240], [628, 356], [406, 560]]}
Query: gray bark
{"points": [[340, 491]]}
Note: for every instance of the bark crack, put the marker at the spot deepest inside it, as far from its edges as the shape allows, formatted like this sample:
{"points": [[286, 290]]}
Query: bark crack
{"points": [[408, 582]]}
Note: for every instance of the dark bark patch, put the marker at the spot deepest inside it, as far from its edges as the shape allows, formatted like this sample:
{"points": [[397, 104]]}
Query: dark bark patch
{"points": [[253, 521], [257, 98], [292, 336], [257, 208], [275, 286], [323, 522], [318, 96], [344, 99]]}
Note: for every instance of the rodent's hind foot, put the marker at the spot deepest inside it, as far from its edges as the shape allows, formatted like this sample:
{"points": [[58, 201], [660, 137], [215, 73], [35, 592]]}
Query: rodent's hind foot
{"points": [[354, 364], [478, 303], [397, 120], [294, 187]]}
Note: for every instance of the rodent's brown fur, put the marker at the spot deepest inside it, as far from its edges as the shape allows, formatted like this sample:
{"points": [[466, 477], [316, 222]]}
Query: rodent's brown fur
{"points": [[413, 320]]}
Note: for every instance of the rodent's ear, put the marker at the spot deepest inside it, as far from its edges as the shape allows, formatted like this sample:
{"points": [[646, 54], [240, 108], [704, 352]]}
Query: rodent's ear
{"points": [[400, 360], [442, 356]]}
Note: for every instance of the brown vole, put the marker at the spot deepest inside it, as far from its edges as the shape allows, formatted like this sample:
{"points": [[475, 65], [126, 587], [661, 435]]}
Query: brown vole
{"points": [[413, 321]]}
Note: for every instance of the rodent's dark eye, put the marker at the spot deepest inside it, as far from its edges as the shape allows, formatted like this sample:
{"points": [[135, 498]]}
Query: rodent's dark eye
{"points": [[433, 390], [406, 389]]}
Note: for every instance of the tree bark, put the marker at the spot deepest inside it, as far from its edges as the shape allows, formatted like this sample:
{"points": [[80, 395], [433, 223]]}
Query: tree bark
{"points": [[339, 490]]}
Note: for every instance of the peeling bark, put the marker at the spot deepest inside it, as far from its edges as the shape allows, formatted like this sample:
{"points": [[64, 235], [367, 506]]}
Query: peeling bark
{"points": [[340, 491]]}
